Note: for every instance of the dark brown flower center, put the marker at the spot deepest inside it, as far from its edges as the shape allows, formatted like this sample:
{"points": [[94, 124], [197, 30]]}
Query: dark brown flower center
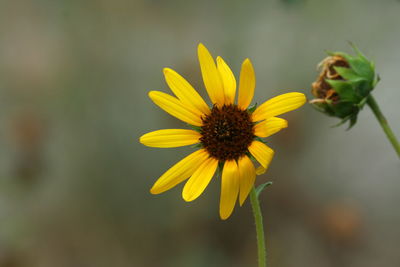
{"points": [[227, 132]]}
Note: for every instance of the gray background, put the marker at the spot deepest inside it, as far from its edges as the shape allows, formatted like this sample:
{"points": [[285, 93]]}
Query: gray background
{"points": [[74, 181]]}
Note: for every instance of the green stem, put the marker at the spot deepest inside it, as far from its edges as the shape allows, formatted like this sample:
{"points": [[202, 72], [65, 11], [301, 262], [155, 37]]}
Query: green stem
{"points": [[382, 120], [255, 204]]}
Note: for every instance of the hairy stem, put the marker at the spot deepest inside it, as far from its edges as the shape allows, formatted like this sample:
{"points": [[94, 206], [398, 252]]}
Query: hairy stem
{"points": [[255, 204], [383, 122]]}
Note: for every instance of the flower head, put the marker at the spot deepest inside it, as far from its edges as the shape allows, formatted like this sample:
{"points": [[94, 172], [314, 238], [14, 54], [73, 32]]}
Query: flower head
{"points": [[343, 85], [229, 135]]}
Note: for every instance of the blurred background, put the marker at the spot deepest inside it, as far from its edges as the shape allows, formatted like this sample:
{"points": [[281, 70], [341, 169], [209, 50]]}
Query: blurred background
{"points": [[74, 180]]}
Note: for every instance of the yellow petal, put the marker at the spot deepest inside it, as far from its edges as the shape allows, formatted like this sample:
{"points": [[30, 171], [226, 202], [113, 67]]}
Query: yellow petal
{"points": [[211, 78], [269, 126], [247, 177], [262, 153], [228, 80], [185, 92], [279, 105], [179, 172], [229, 188], [170, 138], [175, 107], [260, 170], [247, 84], [199, 180]]}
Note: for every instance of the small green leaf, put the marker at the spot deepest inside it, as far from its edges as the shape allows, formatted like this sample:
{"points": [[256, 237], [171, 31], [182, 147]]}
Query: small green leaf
{"points": [[261, 187]]}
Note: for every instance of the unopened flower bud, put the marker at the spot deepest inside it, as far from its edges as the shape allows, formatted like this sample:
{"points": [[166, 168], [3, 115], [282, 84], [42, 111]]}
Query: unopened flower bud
{"points": [[343, 85]]}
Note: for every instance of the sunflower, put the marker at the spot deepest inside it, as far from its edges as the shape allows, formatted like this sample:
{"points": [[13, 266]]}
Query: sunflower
{"points": [[228, 134]]}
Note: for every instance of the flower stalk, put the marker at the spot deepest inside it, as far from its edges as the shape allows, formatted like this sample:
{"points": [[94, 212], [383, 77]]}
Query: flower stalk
{"points": [[383, 122], [255, 204]]}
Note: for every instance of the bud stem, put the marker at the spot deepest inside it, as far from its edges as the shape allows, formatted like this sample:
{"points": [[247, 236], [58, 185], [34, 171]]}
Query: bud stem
{"points": [[385, 126], [255, 204]]}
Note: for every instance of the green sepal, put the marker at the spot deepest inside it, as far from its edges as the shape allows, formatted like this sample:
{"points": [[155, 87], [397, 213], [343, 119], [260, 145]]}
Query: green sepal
{"points": [[348, 74], [199, 145], [363, 88], [346, 56], [252, 108], [344, 89], [261, 187], [196, 128], [221, 164], [353, 120], [366, 67], [343, 121], [260, 140], [361, 104], [359, 64], [331, 53], [344, 109], [362, 68], [358, 51], [250, 156], [376, 80], [324, 108], [220, 168]]}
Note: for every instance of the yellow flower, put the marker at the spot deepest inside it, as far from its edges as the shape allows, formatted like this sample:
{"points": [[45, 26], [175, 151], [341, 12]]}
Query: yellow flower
{"points": [[229, 134]]}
